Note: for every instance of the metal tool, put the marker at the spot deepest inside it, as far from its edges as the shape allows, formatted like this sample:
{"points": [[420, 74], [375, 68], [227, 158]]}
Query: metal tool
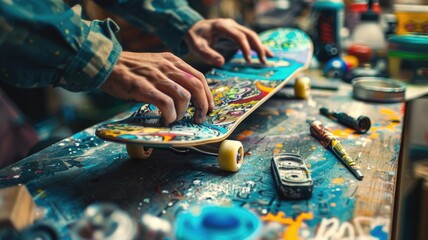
{"points": [[362, 124], [330, 141], [292, 176]]}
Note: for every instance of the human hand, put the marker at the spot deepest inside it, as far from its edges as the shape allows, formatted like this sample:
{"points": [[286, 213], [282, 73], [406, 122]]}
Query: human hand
{"points": [[161, 79], [204, 33]]}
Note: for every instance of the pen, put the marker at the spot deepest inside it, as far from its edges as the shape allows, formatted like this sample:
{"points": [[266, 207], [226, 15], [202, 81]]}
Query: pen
{"points": [[330, 141], [362, 124]]}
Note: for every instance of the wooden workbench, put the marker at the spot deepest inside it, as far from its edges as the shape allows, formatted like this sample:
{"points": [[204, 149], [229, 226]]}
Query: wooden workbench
{"points": [[83, 169]]}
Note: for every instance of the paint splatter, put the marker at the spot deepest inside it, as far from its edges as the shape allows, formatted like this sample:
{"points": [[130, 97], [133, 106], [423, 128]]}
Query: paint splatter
{"points": [[337, 181], [292, 231]]}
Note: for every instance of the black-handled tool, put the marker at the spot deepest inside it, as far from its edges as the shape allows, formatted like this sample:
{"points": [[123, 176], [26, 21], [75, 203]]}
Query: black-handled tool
{"points": [[362, 124]]}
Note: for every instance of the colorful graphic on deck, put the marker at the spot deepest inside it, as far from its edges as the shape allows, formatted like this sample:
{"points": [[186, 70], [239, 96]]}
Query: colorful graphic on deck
{"points": [[238, 88]]}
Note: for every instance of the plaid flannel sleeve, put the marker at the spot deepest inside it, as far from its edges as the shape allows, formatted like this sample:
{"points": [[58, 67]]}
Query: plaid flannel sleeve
{"points": [[170, 20], [45, 43]]}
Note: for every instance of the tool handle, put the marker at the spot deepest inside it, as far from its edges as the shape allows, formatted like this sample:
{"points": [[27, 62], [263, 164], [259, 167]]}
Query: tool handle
{"points": [[362, 124]]}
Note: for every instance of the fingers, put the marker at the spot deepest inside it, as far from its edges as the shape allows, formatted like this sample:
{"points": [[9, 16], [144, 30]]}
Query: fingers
{"points": [[190, 74], [172, 92], [179, 95], [193, 81], [196, 89], [235, 33], [162, 101], [161, 79], [201, 48], [256, 44]]}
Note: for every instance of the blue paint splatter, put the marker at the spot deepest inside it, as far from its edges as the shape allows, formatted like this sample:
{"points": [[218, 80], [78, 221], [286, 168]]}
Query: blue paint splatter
{"points": [[378, 233]]}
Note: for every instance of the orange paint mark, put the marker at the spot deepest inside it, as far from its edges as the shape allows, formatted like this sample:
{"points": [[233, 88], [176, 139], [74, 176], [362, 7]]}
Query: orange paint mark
{"points": [[264, 88], [290, 111], [247, 132], [337, 181], [308, 165], [240, 137], [167, 138], [292, 231], [244, 134], [281, 129], [279, 145], [333, 204]]}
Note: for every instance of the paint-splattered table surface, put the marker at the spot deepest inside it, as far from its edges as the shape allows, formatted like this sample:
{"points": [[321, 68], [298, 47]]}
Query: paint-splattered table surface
{"points": [[68, 176]]}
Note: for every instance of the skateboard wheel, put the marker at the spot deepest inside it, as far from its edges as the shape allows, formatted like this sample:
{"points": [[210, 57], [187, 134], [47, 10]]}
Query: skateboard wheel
{"points": [[302, 87], [230, 155], [136, 151]]}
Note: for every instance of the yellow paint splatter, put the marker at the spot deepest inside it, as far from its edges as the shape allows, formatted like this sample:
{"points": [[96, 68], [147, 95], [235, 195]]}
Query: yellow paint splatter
{"points": [[42, 193], [314, 148], [281, 129], [393, 116], [292, 231], [308, 165], [323, 158], [374, 135], [338, 181], [386, 111], [279, 145], [343, 133]]}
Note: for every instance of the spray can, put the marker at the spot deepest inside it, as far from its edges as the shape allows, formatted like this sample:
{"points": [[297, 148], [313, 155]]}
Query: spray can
{"points": [[328, 19]]}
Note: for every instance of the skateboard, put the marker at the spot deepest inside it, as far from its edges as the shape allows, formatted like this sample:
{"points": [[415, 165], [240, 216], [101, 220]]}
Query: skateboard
{"points": [[238, 89]]}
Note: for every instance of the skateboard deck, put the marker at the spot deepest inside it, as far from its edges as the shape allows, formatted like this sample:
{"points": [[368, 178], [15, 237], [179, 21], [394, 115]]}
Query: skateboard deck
{"points": [[238, 89]]}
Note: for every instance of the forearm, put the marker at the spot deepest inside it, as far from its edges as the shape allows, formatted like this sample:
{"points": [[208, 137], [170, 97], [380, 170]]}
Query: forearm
{"points": [[170, 20], [45, 43]]}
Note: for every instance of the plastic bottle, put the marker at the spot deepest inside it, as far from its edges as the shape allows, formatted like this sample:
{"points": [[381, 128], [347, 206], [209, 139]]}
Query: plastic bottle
{"points": [[354, 11], [369, 32], [328, 20]]}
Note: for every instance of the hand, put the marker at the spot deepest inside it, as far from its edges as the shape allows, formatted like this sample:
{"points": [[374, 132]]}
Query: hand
{"points": [[161, 79], [203, 34]]}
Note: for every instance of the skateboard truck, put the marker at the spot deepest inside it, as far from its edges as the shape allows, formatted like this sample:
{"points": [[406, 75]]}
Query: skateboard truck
{"points": [[230, 153]]}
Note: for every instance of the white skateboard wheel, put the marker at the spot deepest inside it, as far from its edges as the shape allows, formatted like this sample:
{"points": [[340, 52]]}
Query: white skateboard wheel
{"points": [[230, 155], [136, 151], [302, 87]]}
